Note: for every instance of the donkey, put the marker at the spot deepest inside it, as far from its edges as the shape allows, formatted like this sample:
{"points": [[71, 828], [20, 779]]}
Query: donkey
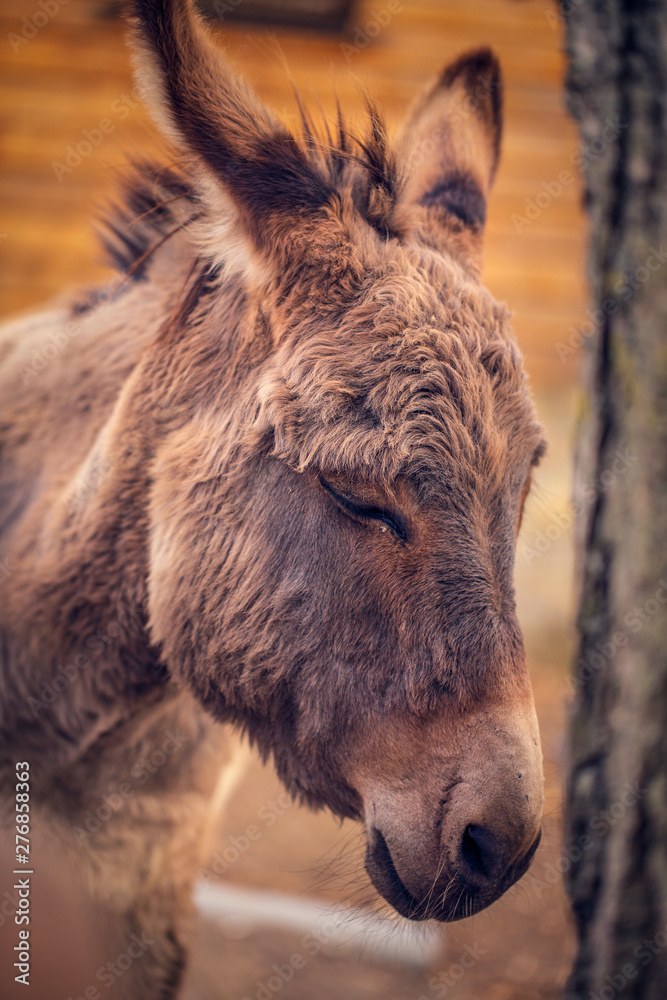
{"points": [[272, 476]]}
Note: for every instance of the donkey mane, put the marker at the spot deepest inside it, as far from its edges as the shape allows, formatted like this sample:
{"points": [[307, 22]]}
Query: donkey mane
{"points": [[143, 217]]}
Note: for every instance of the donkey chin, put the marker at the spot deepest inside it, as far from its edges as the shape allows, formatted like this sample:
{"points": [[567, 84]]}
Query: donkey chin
{"points": [[447, 834]]}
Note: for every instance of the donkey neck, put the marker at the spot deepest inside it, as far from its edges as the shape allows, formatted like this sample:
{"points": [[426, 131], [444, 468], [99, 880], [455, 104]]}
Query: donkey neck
{"points": [[79, 438]]}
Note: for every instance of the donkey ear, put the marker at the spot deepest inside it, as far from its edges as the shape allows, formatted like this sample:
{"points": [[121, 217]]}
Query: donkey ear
{"points": [[203, 106], [448, 154]]}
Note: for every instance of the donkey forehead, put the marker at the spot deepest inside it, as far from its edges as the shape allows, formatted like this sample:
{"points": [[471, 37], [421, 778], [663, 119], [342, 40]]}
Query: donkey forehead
{"points": [[390, 393]]}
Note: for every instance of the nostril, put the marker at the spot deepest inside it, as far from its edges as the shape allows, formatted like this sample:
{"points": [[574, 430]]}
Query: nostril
{"points": [[478, 850]]}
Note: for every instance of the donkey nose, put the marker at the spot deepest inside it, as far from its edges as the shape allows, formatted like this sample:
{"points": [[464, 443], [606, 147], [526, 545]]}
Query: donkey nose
{"points": [[485, 859], [480, 852]]}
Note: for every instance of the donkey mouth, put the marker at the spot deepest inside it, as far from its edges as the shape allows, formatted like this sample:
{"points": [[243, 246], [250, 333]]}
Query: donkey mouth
{"points": [[450, 898], [382, 872]]}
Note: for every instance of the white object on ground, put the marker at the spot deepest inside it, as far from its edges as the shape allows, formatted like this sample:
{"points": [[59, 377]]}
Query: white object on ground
{"points": [[374, 936]]}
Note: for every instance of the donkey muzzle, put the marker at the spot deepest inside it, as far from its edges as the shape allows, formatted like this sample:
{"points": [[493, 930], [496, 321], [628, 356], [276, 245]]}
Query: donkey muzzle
{"points": [[448, 839], [482, 869]]}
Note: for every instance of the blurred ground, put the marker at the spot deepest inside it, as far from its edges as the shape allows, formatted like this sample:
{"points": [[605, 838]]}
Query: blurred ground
{"points": [[62, 75]]}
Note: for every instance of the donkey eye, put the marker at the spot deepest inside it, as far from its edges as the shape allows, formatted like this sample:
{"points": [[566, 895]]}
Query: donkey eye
{"points": [[364, 512]]}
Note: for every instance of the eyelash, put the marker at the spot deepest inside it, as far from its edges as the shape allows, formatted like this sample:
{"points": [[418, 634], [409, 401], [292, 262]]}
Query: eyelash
{"points": [[363, 513]]}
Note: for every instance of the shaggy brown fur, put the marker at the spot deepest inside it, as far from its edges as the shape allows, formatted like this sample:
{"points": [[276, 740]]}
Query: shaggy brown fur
{"points": [[276, 472]]}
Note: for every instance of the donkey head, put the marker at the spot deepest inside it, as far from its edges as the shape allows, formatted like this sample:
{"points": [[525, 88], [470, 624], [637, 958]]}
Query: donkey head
{"points": [[334, 520]]}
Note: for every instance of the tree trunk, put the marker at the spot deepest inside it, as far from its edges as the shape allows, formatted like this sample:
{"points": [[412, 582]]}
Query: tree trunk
{"points": [[616, 812]]}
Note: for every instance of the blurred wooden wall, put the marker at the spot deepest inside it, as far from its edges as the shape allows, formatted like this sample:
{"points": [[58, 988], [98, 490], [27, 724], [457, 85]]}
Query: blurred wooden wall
{"points": [[66, 78]]}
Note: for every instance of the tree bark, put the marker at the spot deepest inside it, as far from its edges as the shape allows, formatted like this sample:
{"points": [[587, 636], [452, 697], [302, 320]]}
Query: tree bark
{"points": [[616, 807]]}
